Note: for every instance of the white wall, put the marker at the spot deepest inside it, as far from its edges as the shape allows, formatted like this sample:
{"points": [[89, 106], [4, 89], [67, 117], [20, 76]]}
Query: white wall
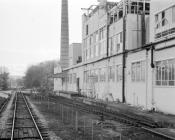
{"points": [[136, 91], [164, 96], [75, 50], [57, 81]]}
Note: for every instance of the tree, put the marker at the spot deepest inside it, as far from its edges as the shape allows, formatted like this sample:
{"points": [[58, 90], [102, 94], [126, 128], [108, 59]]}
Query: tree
{"points": [[37, 76], [4, 76]]}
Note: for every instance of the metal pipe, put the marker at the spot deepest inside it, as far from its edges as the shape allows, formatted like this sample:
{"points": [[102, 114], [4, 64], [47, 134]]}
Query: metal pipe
{"points": [[124, 59], [152, 57]]}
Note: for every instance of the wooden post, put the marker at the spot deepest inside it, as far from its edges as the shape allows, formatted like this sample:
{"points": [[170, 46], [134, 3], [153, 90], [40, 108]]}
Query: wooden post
{"points": [[84, 126], [62, 114], [76, 121], [92, 131]]}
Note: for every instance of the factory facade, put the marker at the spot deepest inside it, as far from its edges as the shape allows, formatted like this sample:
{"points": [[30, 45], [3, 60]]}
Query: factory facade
{"points": [[127, 55]]}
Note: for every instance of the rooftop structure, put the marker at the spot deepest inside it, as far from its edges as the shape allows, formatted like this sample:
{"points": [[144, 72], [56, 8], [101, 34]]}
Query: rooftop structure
{"points": [[165, 23], [103, 28], [75, 54]]}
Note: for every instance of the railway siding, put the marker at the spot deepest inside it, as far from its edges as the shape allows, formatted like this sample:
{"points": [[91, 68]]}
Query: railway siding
{"points": [[22, 123], [147, 125]]}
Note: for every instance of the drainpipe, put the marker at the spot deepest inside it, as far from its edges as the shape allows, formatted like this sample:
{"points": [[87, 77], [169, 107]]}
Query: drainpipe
{"points": [[124, 59], [152, 66], [107, 44], [152, 57], [146, 79], [107, 31]]}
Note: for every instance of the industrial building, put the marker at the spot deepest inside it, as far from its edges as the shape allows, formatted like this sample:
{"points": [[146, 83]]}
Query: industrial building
{"points": [[127, 55]]}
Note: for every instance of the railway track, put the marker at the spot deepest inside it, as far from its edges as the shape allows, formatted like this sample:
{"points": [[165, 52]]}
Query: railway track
{"points": [[24, 123], [147, 126]]}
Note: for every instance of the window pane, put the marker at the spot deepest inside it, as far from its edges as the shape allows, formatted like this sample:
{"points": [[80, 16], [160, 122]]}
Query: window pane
{"points": [[171, 83], [173, 14]]}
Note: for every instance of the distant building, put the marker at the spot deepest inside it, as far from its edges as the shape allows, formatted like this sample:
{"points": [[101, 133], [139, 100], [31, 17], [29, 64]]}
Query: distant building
{"points": [[75, 54], [128, 55]]}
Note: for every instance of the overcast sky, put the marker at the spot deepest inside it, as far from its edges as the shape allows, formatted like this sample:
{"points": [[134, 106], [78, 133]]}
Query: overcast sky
{"points": [[30, 31]]}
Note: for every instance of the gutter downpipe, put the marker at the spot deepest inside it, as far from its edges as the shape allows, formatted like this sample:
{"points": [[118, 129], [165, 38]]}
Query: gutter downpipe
{"points": [[124, 54], [107, 31], [152, 66], [107, 43], [146, 79]]}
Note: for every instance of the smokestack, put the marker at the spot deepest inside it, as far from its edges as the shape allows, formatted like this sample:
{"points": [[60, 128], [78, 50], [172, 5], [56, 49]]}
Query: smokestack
{"points": [[64, 35]]}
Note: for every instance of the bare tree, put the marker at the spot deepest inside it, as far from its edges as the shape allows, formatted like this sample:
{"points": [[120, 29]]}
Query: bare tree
{"points": [[4, 76], [37, 76]]}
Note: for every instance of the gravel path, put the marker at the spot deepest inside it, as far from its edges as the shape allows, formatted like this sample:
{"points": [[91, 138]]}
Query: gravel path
{"points": [[51, 134], [5, 115]]}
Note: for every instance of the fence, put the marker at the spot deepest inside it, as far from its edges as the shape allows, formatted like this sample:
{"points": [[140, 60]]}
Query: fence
{"points": [[82, 126]]}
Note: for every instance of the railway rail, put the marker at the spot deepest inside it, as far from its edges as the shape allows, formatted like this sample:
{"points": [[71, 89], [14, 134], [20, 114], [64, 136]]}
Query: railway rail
{"points": [[25, 124], [147, 125]]}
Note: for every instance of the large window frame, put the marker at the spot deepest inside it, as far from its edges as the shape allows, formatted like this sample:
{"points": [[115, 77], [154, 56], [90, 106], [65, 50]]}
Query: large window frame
{"points": [[165, 73], [138, 71]]}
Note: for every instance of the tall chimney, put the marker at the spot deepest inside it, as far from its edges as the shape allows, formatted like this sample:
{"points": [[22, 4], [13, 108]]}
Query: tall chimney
{"points": [[64, 60]]}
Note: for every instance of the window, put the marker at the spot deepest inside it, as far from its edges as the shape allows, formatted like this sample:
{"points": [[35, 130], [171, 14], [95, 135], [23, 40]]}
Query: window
{"points": [[165, 73], [97, 36], [102, 33], [96, 50], [140, 8], [111, 45], [121, 37], [70, 78], [147, 8], [157, 21], [85, 76], [102, 73], [119, 41], [87, 54], [111, 19], [87, 30], [74, 78], [103, 45], [95, 75], [119, 73], [92, 52], [94, 38], [173, 14], [115, 17], [138, 71], [134, 7], [111, 74], [163, 18], [90, 40], [120, 14], [99, 49]]}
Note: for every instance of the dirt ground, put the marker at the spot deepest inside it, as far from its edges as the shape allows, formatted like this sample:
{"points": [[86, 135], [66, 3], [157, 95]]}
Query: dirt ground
{"points": [[70, 124]]}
